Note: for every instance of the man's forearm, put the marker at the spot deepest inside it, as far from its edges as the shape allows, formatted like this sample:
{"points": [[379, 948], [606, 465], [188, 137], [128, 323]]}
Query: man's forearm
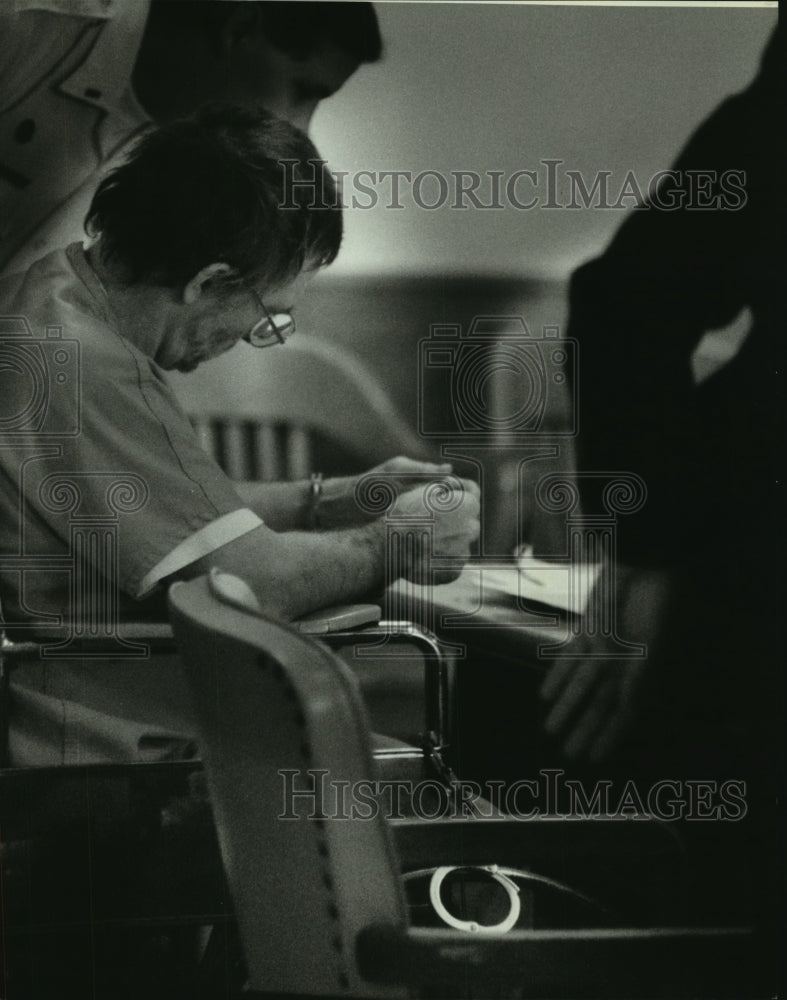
{"points": [[294, 573]]}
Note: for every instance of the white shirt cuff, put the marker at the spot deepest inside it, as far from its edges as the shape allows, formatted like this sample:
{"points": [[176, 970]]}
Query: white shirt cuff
{"points": [[220, 532]]}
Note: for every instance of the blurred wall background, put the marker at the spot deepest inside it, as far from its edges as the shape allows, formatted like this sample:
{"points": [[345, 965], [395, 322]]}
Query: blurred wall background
{"points": [[486, 86]]}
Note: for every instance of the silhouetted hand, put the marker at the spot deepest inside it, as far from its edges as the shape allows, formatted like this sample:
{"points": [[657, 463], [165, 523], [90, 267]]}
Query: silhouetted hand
{"points": [[592, 702]]}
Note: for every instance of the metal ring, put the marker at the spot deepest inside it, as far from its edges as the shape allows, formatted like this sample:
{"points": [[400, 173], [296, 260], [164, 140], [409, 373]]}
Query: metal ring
{"points": [[470, 925]]}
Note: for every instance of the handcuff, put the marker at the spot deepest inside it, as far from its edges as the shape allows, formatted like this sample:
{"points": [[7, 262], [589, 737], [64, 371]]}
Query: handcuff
{"points": [[316, 480], [499, 875], [504, 877]]}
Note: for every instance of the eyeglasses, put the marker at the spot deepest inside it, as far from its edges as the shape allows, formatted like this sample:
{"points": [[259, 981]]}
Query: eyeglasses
{"points": [[270, 329]]}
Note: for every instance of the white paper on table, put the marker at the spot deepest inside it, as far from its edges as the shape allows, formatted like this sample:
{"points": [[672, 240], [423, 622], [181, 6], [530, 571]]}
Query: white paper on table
{"points": [[560, 585]]}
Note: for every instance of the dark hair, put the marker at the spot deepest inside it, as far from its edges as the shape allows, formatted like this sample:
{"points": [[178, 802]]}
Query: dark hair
{"points": [[297, 28], [209, 188]]}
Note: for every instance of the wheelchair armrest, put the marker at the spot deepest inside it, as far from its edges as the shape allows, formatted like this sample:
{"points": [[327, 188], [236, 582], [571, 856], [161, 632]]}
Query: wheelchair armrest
{"points": [[339, 618], [623, 962]]}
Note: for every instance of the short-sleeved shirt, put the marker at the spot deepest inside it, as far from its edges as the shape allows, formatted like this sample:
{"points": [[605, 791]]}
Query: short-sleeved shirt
{"points": [[102, 480], [92, 437]]}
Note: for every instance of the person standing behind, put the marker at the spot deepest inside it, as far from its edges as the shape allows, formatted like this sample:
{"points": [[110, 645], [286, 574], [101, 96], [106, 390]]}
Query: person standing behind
{"points": [[699, 580], [80, 80]]}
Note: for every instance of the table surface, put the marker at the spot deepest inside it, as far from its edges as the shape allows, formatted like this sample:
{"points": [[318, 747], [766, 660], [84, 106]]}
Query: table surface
{"points": [[482, 607]]}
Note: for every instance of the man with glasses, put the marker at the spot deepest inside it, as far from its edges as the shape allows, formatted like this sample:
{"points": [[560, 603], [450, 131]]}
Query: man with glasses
{"points": [[269, 330], [191, 254]]}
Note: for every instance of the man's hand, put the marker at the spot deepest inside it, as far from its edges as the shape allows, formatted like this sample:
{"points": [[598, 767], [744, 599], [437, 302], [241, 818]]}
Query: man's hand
{"points": [[295, 572], [453, 508], [593, 701], [338, 507]]}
